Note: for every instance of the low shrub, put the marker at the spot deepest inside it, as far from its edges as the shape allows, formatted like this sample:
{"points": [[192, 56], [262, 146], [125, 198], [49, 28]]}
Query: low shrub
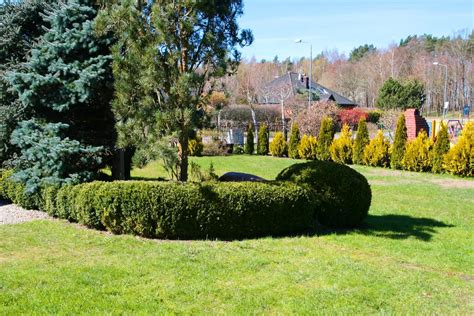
{"points": [[373, 116], [196, 147], [351, 116], [15, 192], [342, 196], [418, 154], [214, 148], [460, 158], [278, 147], [307, 147], [341, 148], [376, 153]]}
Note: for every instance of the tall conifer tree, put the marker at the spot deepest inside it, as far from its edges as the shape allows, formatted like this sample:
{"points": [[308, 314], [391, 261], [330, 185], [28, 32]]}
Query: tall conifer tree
{"points": [[361, 141], [67, 86]]}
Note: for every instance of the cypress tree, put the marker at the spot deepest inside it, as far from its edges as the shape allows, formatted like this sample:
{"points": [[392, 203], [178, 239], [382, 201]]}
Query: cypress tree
{"points": [[399, 144], [361, 141], [67, 85], [262, 142], [249, 144], [440, 149], [326, 135], [294, 142]]}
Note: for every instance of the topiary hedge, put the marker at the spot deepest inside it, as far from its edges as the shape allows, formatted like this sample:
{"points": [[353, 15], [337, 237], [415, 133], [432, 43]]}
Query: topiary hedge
{"points": [[343, 194], [334, 194]]}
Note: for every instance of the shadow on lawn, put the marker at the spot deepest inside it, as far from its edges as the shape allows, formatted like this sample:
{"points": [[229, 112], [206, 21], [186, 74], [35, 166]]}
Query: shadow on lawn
{"points": [[395, 227]]}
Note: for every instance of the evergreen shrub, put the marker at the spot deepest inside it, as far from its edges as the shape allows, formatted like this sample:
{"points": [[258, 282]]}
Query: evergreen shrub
{"points": [[278, 147], [342, 195], [418, 153], [294, 142], [262, 141], [361, 141], [249, 147], [326, 135], [341, 148], [399, 144], [440, 149], [307, 147], [460, 158], [196, 147], [376, 153]]}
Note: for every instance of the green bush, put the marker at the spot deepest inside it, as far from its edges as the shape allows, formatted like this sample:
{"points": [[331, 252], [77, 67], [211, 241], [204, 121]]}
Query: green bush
{"points": [[262, 141], [361, 141], [196, 147], [189, 210], [307, 147], [376, 153], [15, 192], [341, 195], [341, 148], [294, 142], [278, 147], [374, 116], [399, 144], [460, 158], [418, 153], [326, 135], [249, 147], [440, 149]]}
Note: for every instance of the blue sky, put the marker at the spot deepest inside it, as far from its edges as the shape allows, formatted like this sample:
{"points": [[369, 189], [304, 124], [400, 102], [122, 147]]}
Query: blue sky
{"points": [[345, 24]]}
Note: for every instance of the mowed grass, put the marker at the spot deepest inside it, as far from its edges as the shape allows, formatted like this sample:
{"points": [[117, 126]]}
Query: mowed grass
{"points": [[414, 255]]}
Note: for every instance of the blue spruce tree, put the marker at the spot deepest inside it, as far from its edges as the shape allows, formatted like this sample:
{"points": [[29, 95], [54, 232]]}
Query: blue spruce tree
{"points": [[67, 86]]}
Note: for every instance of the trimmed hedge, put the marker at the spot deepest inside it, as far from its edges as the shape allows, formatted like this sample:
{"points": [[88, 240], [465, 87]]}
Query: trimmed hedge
{"points": [[344, 195], [334, 194], [175, 210]]}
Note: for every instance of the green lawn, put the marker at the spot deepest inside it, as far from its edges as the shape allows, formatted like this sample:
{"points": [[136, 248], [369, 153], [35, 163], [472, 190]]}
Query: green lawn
{"points": [[414, 255]]}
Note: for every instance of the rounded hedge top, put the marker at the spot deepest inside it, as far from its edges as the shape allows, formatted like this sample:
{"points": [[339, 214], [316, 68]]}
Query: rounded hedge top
{"points": [[343, 195]]}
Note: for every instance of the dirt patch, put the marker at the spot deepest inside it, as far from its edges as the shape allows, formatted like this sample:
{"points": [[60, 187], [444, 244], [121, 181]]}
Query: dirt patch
{"points": [[453, 183], [12, 214]]}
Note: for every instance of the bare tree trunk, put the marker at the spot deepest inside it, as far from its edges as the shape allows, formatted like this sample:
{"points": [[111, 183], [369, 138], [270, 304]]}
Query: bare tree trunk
{"points": [[254, 119], [283, 122]]}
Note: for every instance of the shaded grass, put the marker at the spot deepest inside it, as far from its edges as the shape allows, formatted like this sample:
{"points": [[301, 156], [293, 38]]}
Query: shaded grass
{"points": [[413, 255]]}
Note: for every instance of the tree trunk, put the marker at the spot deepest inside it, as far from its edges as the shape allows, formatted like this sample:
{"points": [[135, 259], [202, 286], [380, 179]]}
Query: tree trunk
{"points": [[283, 122], [183, 148], [254, 119]]}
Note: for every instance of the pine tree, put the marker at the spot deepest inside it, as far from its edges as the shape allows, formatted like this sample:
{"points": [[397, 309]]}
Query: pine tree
{"points": [[67, 84], [294, 142], [361, 141], [440, 149], [262, 142], [249, 144], [182, 45], [326, 135], [399, 144], [278, 146]]}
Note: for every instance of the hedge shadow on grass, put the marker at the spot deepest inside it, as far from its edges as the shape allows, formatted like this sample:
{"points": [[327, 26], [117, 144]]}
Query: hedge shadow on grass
{"points": [[395, 227]]}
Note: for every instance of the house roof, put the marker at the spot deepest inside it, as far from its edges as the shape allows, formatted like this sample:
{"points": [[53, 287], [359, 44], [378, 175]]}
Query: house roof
{"points": [[297, 85]]}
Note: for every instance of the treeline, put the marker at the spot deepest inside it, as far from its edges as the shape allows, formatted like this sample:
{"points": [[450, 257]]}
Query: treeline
{"points": [[361, 75]]}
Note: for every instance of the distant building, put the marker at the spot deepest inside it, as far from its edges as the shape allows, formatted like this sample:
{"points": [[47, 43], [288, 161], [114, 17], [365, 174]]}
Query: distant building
{"points": [[293, 84]]}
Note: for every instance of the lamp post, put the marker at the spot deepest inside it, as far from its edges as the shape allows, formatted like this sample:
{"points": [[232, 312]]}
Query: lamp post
{"points": [[446, 104], [310, 93]]}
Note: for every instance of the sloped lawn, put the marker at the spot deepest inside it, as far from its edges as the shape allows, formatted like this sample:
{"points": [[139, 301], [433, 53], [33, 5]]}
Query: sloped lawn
{"points": [[414, 255]]}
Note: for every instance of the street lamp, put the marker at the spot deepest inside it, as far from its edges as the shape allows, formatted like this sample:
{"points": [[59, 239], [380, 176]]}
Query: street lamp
{"points": [[310, 93], [446, 104]]}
